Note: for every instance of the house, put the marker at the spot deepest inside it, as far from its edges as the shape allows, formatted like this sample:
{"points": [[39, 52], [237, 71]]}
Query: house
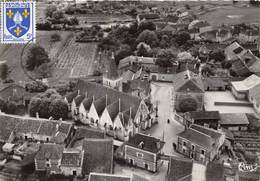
{"points": [[215, 84], [111, 77], [234, 51], [107, 177], [48, 158], [187, 84], [249, 35], [98, 156], [246, 64], [71, 163], [112, 110], [254, 97], [143, 151], [139, 88], [208, 119], [147, 17], [34, 129], [180, 169], [196, 27], [200, 143], [219, 34], [234, 121], [240, 89]]}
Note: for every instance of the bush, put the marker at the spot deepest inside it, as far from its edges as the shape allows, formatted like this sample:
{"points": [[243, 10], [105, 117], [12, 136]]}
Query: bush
{"points": [[36, 86], [97, 73], [55, 37], [250, 157], [3, 70]]}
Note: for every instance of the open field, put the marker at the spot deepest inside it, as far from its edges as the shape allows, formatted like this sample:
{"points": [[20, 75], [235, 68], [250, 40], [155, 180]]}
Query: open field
{"points": [[232, 15]]}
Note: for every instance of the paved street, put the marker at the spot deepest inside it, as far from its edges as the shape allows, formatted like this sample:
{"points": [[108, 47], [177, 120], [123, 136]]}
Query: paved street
{"points": [[162, 95]]}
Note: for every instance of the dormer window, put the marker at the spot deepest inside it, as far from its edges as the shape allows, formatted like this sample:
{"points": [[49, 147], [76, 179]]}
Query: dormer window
{"points": [[141, 145]]}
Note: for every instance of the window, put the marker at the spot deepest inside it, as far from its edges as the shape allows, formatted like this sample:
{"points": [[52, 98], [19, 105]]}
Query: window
{"points": [[47, 165], [202, 152], [257, 105], [184, 143], [192, 147], [139, 155], [183, 150]]}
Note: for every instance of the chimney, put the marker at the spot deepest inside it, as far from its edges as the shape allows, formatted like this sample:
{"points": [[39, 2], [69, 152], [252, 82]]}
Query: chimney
{"points": [[78, 92], [188, 74], [141, 145], [119, 104], [37, 115], [106, 100], [158, 144]]}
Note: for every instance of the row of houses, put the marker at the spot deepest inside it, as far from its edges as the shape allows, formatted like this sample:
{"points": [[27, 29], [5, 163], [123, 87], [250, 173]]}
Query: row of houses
{"points": [[121, 115]]}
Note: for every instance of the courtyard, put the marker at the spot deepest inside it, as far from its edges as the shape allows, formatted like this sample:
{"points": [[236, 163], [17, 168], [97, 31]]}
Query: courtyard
{"points": [[220, 96]]}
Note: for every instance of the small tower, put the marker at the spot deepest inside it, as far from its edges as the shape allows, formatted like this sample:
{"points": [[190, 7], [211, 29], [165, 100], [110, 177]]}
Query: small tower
{"points": [[110, 77]]}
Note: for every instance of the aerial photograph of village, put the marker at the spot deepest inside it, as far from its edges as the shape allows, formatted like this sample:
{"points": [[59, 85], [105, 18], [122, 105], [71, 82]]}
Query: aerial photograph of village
{"points": [[133, 91]]}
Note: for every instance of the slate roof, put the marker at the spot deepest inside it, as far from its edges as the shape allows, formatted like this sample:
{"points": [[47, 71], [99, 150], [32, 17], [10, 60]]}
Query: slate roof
{"points": [[78, 99], [127, 75], [187, 81], [71, 96], [100, 105], [234, 50], [98, 155], [127, 61], [233, 119], [71, 157], [202, 115], [149, 142], [113, 109], [214, 134], [198, 24], [111, 69], [87, 102], [247, 83]]}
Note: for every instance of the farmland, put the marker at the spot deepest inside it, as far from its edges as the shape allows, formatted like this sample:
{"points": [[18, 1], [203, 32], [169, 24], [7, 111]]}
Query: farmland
{"points": [[77, 58]]}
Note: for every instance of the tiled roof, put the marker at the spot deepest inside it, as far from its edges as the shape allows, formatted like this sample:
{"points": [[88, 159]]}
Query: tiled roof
{"points": [[150, 143], [214, 134], [198, 24], [44, 127], [49, 151], [125, 62], [179, 168], [71, 157], [233, 119], [201, 115], [108, 177], [198, 138], [247, 83], [83, 132], [234, 50], [100, 105], [128, 75], [192, 81], [98, 155], [215, 172]]}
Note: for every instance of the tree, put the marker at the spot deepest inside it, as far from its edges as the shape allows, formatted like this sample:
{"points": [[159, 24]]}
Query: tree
{"points": [[124, 51], [165, 58], [254, 2], [188, 104], [2, 104], [146, 25], [36, 86], [3, 70], [108, 43], [207, 71], [148, 37], [43, 71], [143, 50], [202, 7], [182, 38], [57, 15], [58, 109], [217, 55], [10, 107], [50, 10], [49, 104], [36, 56], [187, 6]]}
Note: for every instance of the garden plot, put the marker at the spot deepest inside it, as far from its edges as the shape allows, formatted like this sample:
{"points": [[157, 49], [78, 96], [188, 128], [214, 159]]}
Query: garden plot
{"points": [[78, 58]]}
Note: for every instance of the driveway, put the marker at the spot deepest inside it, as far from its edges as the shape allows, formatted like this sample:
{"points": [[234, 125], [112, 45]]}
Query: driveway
{"points": [[162, 96]]}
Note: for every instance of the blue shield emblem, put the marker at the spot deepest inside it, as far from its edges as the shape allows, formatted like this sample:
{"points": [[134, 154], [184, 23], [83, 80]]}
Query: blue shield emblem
{"points": [[18, 21]]}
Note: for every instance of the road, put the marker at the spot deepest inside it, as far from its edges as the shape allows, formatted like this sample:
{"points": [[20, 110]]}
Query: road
{"points": [[163, 96]]}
